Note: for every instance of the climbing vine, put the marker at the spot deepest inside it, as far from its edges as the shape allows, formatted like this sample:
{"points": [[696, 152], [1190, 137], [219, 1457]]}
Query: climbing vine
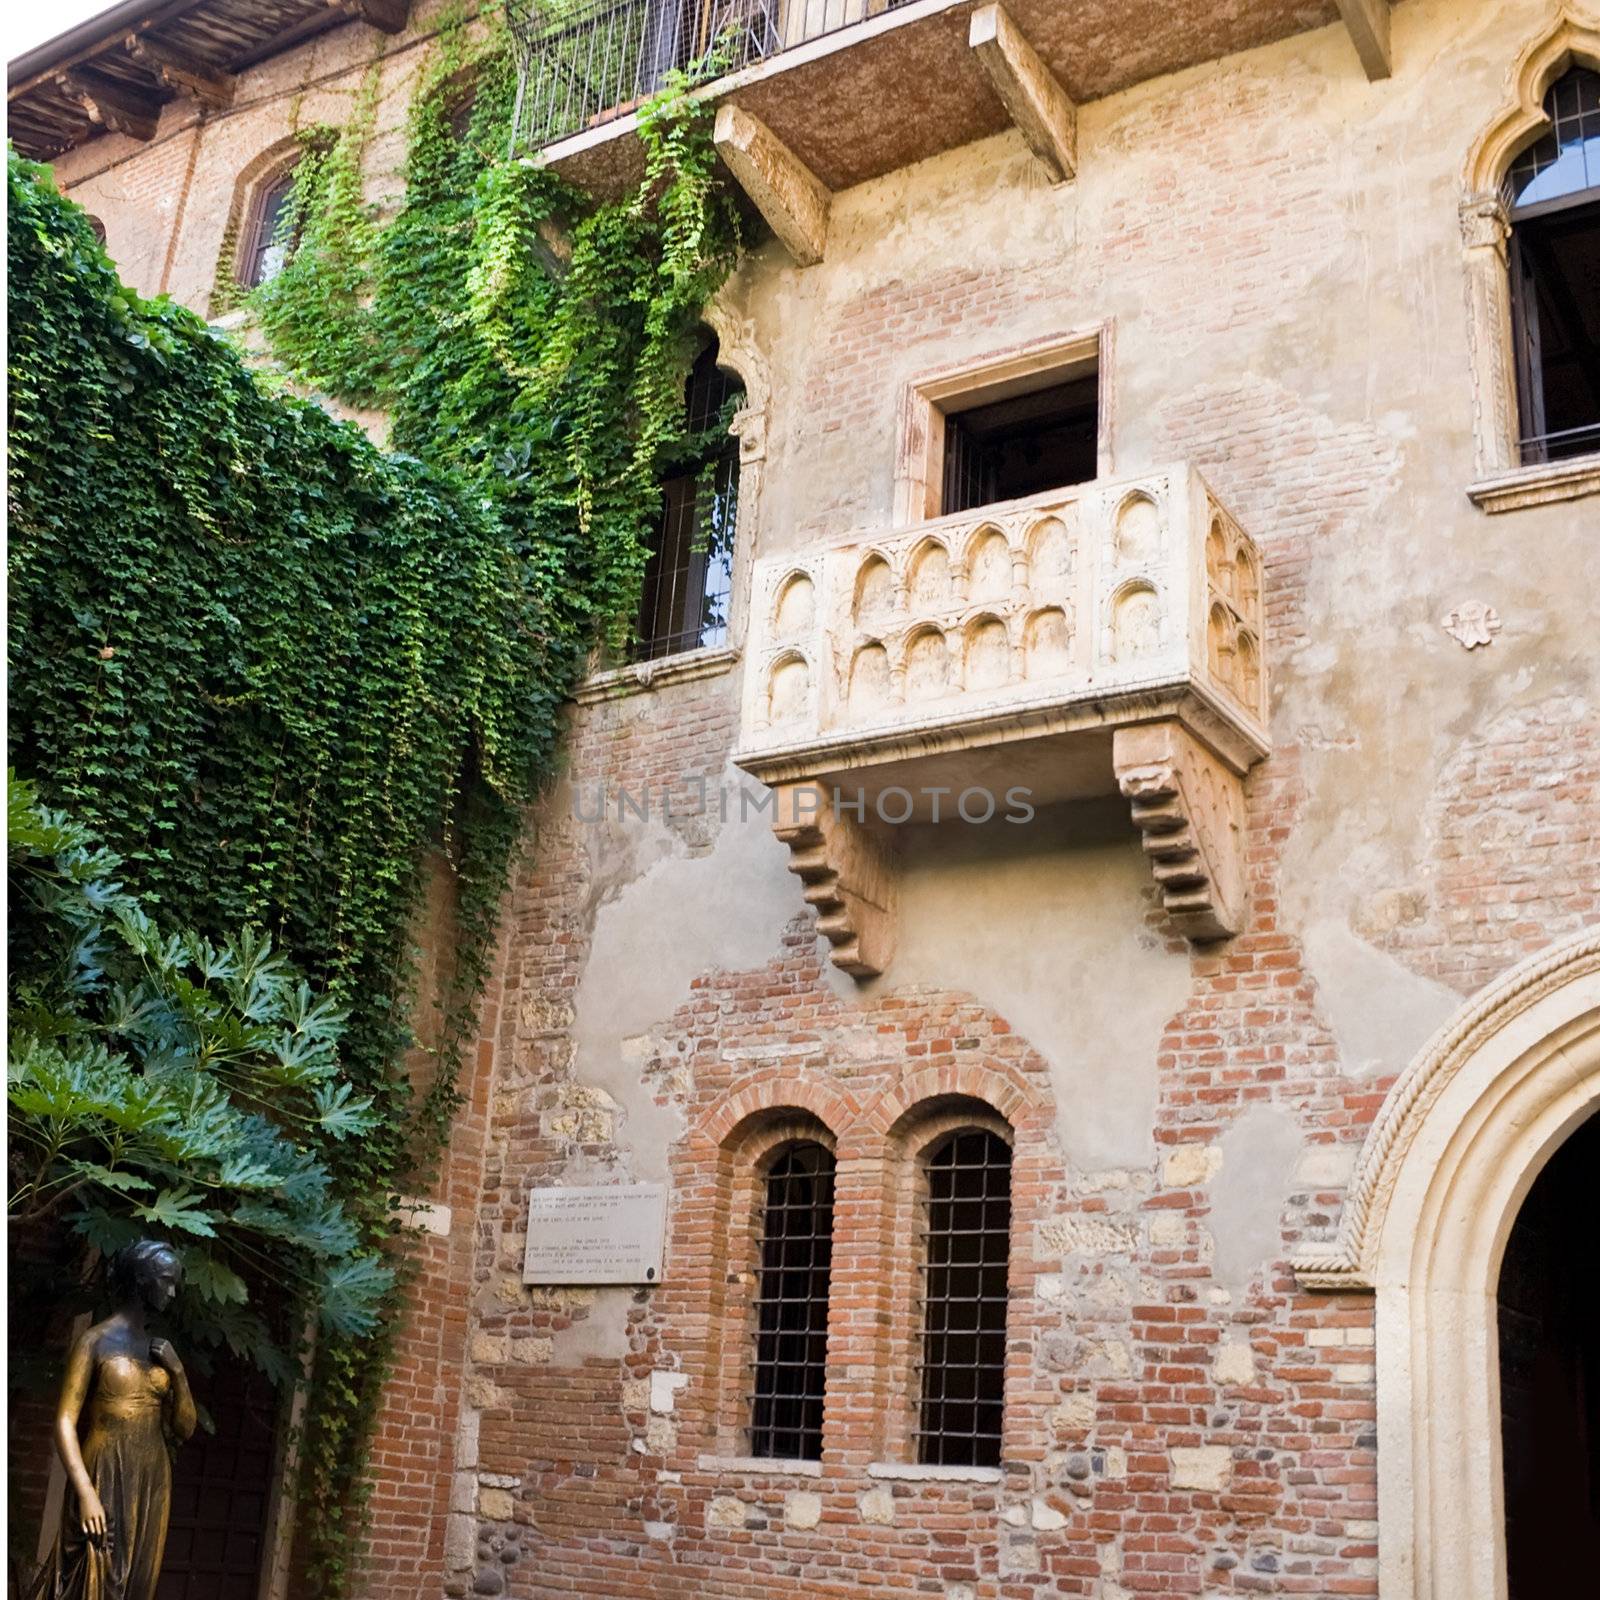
{"points": [[278, 670]]}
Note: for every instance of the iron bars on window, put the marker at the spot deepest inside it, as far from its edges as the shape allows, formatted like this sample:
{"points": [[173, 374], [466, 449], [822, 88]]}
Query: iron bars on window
{"points": [[791, 1309], [968, 1245]]}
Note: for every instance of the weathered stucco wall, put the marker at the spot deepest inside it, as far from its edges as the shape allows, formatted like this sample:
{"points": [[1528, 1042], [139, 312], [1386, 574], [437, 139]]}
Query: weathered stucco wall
{"points": [[1276, 243]]}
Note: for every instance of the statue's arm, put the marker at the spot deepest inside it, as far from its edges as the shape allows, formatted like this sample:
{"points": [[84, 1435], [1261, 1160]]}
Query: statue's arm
{"points": [[74, 1392], [184, 1416]]}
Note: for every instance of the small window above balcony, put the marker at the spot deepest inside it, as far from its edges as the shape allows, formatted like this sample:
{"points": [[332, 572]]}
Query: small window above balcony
{"points": [[1023, 445]]}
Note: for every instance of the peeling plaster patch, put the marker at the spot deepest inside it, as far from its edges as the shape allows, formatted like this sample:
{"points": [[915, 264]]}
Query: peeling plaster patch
{"points": [[656, 931], [1247, 1196], [599, 1331], [1380, 1011], [1044, 923], [664, 1387]]}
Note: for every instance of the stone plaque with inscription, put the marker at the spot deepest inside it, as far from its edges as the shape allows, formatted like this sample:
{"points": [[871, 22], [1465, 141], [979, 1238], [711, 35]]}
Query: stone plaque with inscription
{"points": [[609, 1234]]}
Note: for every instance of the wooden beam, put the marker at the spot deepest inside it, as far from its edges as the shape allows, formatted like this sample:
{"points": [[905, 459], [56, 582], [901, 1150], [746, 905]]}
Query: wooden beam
{"points": [[112, 105], [388, 15], [1368, 24], [182, 72], [785, 190], [1040, 107]]}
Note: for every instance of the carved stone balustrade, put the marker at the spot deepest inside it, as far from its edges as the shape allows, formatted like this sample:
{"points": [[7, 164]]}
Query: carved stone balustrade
{"points": [[1104, 637]]}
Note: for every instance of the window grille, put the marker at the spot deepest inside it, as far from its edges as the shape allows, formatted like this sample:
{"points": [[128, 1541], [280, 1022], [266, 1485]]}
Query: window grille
{"points": [[1566, 161], [967, 1254], [791, 1335], [688, 579]]}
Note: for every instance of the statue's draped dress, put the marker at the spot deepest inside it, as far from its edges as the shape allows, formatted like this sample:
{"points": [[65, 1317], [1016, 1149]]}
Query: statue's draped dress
{"points": [[125, 1453]]}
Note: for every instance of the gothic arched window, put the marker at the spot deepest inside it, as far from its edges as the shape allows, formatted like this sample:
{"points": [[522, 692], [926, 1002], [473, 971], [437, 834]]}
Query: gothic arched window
{"points": [[688, 581], [1552, 195]]}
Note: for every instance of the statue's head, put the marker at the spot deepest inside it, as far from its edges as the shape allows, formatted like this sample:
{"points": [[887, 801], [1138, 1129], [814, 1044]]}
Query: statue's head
{"points": [[148, 1271]]}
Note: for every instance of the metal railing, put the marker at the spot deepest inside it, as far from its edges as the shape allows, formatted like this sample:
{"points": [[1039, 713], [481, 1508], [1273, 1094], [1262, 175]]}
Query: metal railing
{"points": [[584, 63]]}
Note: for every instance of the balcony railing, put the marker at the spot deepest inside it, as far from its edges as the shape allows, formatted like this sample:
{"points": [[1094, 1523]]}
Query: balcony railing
{"points": [[1092, 605], [586, 64]]}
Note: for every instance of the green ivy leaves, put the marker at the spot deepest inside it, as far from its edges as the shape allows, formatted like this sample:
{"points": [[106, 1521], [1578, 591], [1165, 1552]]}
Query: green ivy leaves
{"points": [[281, 672]]}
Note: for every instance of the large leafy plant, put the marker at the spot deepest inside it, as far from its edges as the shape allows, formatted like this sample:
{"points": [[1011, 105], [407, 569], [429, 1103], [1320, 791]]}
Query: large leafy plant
{"points": [[162, 1083]]}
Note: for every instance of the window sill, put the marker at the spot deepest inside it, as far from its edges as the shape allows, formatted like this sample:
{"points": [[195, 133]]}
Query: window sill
{"points": [[772, 1466], [1538, 485], [911, 1473], [617, 683]]}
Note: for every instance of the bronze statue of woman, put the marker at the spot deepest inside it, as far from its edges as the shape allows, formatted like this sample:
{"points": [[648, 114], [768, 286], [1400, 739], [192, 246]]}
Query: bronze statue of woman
{"points": [[119, 1473]]}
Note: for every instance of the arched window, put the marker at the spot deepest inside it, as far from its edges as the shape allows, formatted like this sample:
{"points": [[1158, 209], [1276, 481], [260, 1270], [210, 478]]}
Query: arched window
{"points": [[264, 243], [791, 1322], [966, 1262], [1553, 199], [688, 580]]}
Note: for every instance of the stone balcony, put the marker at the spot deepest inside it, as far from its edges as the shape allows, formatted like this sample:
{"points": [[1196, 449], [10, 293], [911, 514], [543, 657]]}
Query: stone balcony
{"points": [[1100, 638]]}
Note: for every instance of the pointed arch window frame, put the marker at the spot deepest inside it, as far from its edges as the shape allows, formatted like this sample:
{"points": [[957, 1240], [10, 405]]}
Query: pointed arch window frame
{"points": [[1502, 481]]}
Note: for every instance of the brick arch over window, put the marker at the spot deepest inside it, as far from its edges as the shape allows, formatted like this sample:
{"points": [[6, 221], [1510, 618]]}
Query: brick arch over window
{"points": [[1442, 1175], [1504, 483], [896, 1138], [740, 1145]]}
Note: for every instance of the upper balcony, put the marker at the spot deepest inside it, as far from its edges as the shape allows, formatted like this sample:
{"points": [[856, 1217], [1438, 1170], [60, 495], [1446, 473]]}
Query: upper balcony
{"points": [[847, 90], [1108, 636]]}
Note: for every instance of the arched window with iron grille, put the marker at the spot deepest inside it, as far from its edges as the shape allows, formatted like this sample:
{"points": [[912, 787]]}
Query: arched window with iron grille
{"points": [[1552, 195], [791, 1321], [966, 1262]]}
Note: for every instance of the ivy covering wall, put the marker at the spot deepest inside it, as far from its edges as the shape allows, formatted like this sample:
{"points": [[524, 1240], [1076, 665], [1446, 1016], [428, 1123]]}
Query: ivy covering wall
{"points": [[277, 669]]}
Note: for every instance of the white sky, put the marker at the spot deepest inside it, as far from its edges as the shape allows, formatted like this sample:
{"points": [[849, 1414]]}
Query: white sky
{"points": [[27, 23]]}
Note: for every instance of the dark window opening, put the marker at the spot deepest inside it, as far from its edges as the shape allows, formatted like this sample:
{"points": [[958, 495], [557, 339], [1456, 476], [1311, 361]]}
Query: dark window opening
{"points": [[688, 579], [968, 1254], [265, 246], [791, 1307], [222, 1490], [1549, 1324], [1023, 445], [1553, 192]]}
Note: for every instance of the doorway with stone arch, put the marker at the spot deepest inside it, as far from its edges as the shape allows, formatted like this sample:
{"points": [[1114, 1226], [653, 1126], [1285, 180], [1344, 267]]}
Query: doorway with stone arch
{"points": [[1448, 1191]]}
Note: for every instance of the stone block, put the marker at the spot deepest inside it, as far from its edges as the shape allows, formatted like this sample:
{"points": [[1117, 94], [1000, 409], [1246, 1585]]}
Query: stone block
{"points": [[1207, 1466]]}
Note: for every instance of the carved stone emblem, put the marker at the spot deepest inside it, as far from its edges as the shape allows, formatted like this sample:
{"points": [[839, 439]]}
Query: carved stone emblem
{"points": [[1471, 623]]}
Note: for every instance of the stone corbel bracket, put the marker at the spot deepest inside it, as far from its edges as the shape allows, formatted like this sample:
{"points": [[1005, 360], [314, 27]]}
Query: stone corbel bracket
{"points": [[1189, 806], [782, 187], [848, 873], [1040, 107]]}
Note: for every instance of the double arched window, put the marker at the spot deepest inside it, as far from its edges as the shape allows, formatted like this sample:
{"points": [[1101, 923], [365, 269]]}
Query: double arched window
{"points": [[954, 1313], [1552, 198]]}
